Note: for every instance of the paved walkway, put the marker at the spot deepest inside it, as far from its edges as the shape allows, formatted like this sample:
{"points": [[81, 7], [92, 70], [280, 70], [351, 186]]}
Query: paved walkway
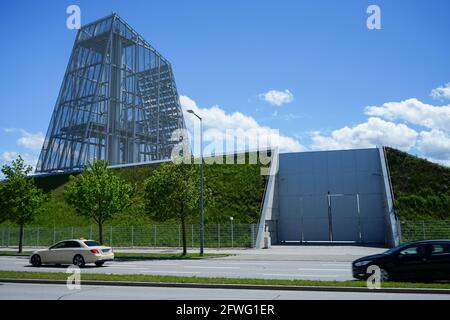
{"points": [[87, 292]]}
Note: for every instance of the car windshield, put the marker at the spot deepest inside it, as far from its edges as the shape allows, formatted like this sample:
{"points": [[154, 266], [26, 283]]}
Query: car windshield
{"points": [[59, 245], [91, 243], [392, 250]]}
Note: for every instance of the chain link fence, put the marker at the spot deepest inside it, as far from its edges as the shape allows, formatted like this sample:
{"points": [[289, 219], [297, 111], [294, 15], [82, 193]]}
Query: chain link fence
{"points": [[216, 235], [425, 230]]}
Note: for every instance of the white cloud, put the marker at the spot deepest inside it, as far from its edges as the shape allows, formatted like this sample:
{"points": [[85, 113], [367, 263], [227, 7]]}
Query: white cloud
{"points": [[7, 157], [277, 98], [435, 144], [374, 132], [441, 93], [414, 112], [216, 122], [32, 141]]}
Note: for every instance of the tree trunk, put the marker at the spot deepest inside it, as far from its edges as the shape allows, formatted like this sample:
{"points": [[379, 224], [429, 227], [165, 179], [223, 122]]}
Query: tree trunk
{"points": [[100, 232], [20, 238], [183, 233]]}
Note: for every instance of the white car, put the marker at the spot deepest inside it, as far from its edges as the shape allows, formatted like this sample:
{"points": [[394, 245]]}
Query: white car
{"points": [[74, 251]]}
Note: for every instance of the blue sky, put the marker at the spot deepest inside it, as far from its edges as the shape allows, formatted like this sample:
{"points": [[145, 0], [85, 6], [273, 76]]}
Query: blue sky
{"points": [[317, 55]]}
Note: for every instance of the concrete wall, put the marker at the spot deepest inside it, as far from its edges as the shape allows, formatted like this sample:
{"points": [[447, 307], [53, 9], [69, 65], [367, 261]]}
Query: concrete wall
{"points": [[335, 196]]}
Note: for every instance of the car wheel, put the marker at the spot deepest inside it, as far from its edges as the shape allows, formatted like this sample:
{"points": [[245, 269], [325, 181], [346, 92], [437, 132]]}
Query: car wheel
{"points": [[78, 261], [36, 261], [99, 263], [384, 275]]}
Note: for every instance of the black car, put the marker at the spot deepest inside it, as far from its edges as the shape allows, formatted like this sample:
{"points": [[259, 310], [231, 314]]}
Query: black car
{"points": [[421, 260]]}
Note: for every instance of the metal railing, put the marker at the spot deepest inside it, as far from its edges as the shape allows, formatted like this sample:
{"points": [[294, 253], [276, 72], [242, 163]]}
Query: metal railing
{"points": [[157, 235], [425, 230]]}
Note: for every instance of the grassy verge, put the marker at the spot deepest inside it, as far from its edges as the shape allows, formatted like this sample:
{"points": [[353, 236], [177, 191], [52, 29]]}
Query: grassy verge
{"points": [[176, 279], [167, 256], [143, 256], [8, 253]]}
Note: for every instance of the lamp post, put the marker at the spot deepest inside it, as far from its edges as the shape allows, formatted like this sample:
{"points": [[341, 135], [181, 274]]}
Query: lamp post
{"points": [[202, 225], [232, 233]]}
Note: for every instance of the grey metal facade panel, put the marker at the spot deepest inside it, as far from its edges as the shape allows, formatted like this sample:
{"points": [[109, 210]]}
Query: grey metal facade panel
{"points": [[314, 229], [306, 178], [345, 218], [345, 229], [373, 230], [314, 206]]}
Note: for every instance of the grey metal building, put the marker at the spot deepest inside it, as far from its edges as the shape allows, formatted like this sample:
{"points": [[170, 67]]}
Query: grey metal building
{"points": [[330, 196], [118, 102]]}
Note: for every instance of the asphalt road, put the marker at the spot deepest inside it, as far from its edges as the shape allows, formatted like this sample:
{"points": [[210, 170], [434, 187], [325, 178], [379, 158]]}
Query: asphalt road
{"points": [[216, 267], [60, 292]]}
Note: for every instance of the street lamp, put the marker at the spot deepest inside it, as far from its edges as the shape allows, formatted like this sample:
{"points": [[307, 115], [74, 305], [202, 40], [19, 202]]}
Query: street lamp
{"points": [[202, 225], [232, 235]]}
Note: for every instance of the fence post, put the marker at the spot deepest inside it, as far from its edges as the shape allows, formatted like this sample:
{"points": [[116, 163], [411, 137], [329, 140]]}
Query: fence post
{"points": [[218, 236], [37, 237], [110, 236], [132, 236], [423, 230], [232, 236], [9, 236], [252, 230], [192, 236], [23, 237]]}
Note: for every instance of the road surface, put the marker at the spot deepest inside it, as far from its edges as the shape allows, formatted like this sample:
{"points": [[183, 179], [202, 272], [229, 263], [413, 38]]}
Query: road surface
{"points": [[216, 267], [60, 292]]}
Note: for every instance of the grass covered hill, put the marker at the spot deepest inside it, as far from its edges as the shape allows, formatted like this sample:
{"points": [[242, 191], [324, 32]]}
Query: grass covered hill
{"points": [[421, 188], [237, 190]]}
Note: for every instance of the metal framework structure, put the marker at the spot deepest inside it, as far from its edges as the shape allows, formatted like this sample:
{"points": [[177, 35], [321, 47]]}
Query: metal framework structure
{"points": [[118, 102]]}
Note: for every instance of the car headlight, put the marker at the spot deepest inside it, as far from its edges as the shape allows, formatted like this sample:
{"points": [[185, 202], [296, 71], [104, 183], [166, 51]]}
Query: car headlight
{"points": [[362, 263]]}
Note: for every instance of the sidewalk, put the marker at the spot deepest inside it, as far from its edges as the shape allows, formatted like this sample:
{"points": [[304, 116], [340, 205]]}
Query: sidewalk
{"points": [[275, 253]]}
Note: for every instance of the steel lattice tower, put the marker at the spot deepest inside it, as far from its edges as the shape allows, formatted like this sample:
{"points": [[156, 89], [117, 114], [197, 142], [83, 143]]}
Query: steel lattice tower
{"points": [[118, 102]]}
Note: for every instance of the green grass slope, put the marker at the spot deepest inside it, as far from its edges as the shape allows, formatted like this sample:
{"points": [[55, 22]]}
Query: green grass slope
{"points": [[421, 188], [237, 190]]}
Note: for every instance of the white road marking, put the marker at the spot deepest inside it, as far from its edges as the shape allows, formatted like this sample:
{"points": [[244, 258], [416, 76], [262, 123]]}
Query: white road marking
{"points": [[246, 263], [165, 271], [299, 275], [205, 267], [140, 266], [336, 264], [328, 269]]}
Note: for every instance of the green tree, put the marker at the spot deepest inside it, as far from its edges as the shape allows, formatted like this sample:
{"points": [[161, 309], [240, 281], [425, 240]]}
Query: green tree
{"points": [[98, 194], [173, 192], [20, 199]]}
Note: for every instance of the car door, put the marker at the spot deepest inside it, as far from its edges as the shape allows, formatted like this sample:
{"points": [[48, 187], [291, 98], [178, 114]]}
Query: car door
{"points": [[439, 261], [70, 250], [56, 252], [412, 262]]}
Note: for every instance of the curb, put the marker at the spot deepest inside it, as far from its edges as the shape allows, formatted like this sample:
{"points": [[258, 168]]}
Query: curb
{"points": [[15, 255], [232, 286]]}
